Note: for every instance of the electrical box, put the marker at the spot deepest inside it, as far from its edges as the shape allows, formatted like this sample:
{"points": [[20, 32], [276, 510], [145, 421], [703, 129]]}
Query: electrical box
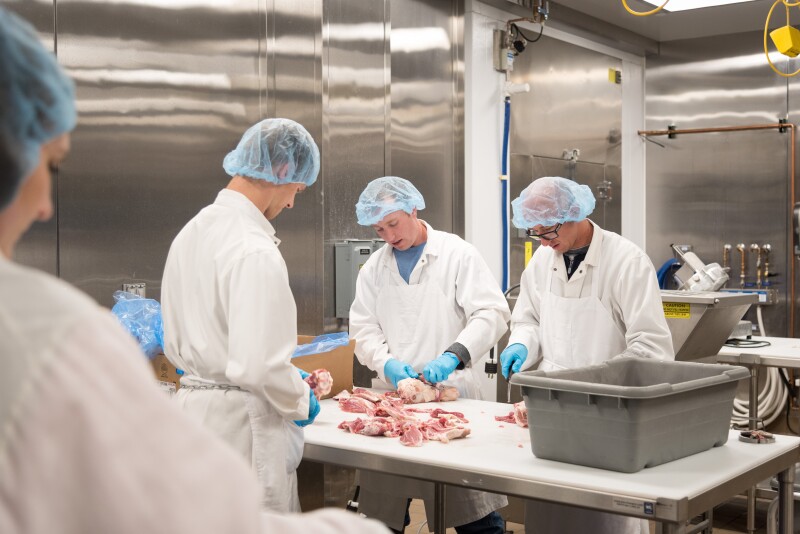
{"points": [[349, 257]]}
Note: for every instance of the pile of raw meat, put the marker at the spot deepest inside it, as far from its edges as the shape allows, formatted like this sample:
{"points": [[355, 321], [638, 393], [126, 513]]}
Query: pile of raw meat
{"points": [[388, 415], [518, 416], [320, 382]]}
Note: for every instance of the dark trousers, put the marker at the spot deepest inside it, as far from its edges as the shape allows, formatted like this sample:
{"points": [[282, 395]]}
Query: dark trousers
{"points": [[489, 524]]}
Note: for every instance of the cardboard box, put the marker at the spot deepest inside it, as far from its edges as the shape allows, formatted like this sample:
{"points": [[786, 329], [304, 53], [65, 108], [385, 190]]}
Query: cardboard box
{"points": [[338, 362], [166, 374]]}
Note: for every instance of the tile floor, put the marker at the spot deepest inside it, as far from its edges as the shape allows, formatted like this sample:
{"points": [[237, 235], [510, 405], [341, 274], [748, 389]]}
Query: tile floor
{"points": [[729, 518]]}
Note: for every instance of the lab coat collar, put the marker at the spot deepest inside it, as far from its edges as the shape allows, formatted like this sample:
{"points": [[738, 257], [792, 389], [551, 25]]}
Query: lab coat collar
{"points": [[593, 255], [595, 247], [432, 246], [235, 200]]}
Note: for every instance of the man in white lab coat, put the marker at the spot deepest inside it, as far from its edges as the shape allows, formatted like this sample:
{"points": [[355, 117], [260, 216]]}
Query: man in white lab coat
{"points": [[587, 295], [425, 303], [230, 321], [89, 443]]}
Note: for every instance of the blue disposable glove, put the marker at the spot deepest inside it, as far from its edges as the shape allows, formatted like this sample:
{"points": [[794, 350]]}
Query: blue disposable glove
{"points": [[440, 368], [313, 410], [303, 374], [395, 371], [512, 358]]}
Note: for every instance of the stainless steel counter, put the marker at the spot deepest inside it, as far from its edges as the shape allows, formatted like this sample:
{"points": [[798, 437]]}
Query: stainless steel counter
{"points": [[497, 457]]}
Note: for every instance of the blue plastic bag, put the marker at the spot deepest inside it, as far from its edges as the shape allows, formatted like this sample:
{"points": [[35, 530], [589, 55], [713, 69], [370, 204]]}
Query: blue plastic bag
{"points": [[142, 318], [323, 343]]}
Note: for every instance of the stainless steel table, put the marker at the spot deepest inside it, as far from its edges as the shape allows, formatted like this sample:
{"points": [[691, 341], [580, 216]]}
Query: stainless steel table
{"points": [[781, 352], [497, 457]]}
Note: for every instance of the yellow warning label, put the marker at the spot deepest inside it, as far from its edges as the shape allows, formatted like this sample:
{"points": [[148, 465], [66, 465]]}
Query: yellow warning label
{"points": [[528, 252], [677, 310]]}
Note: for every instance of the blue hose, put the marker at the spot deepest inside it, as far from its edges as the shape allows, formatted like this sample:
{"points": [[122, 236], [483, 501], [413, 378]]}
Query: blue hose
{"points": [[504, 194], [663, 271]]}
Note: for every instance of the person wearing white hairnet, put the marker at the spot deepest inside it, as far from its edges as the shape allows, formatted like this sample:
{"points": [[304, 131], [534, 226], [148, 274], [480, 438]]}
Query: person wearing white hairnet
{"points": [[426, 306], [588, 295], [89, 442], [230, 320]]}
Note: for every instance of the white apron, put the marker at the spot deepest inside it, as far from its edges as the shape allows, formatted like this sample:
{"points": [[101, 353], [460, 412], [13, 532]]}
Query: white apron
{"points": [[575, 333], [252, 427], [420, 323]]}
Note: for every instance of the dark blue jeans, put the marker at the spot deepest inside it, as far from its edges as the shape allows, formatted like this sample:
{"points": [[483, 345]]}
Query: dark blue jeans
{"points": [[490, 524]]}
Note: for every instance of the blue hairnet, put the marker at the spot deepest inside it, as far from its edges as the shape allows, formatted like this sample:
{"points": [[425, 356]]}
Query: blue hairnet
{"points": [[265, 147], [552, 200], [386, 195], [37, 102]]}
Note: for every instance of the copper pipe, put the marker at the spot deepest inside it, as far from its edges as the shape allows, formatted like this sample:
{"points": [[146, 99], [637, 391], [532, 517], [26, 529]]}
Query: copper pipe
{"points": [[726, 258], [755, 248], [792, 200]]}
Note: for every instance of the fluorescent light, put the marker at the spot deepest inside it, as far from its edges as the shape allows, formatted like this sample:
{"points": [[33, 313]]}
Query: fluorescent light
{"points": [[683, 5]]}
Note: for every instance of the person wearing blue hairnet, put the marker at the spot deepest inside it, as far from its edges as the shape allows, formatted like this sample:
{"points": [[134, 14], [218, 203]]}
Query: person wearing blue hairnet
{"points": [[230, 320], [426, 306], [89, 442], [587, 295]]}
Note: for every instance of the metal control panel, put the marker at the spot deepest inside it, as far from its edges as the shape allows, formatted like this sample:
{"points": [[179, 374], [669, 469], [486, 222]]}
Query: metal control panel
{"points": [[349, 257]]}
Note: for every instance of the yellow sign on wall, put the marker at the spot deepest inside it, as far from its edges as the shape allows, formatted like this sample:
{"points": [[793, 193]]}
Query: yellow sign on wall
{"points": [[528, 252], [677, 310]]}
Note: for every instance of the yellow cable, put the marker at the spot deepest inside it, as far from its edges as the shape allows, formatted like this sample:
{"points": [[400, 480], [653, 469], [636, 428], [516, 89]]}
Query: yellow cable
{"points": [[651, 12], [766, 31]]}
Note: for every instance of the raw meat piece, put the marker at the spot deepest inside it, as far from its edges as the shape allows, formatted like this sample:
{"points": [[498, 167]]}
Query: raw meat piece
{"points": [[447, 434], [357, 405], [438, 412], [412, 435], [373, 426], [367, 394], [414, 391], [521, 414], [320, 382], [518, 416]]}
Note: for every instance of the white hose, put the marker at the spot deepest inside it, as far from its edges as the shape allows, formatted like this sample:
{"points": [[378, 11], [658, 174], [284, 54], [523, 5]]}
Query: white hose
{"points": [[771, 398]]}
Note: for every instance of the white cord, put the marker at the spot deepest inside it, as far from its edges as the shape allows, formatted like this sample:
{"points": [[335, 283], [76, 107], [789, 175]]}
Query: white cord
{"points": [[419, 530], [771, 399]]}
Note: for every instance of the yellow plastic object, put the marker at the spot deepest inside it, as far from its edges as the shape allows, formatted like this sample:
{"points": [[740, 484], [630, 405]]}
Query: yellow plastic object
{"points": [[786, 5], [786, 40]]}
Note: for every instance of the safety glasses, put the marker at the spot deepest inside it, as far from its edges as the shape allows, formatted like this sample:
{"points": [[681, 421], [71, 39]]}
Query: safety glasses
{"points": [[548, 235]]}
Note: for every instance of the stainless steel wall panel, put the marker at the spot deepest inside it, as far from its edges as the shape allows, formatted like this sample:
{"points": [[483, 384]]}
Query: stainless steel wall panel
{"points": [[163, 94], [294, 58], [39, 246], [422, 138], [354, 120], [710, 189], [571, 103]]}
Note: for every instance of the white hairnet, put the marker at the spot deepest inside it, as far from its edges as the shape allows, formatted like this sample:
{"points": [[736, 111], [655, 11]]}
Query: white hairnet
{"points": [[386, 195], [37, 102], [552, 200], [269, 145]]}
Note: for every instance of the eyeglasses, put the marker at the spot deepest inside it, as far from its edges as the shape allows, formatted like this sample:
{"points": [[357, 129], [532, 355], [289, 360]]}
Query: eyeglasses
{"points": [[548, 235]]}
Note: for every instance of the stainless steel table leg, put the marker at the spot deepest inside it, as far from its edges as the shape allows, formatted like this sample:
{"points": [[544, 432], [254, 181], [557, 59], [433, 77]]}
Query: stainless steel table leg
{"points": [[786, 501], [439, 491], [670, 528], [752, 425]]}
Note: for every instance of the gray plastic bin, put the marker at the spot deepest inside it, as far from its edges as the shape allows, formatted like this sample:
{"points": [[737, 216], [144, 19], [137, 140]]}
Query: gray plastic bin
{"points": [[629, 413]]}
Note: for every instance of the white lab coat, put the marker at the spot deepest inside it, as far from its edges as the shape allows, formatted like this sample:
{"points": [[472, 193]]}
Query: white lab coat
{"points": [[89, 444], [610, 307], [451, 297], [230, 319]]}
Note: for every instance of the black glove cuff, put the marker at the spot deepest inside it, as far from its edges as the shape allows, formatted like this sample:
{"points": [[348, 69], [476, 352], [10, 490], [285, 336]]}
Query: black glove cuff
{"points": [[462, 353]]}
